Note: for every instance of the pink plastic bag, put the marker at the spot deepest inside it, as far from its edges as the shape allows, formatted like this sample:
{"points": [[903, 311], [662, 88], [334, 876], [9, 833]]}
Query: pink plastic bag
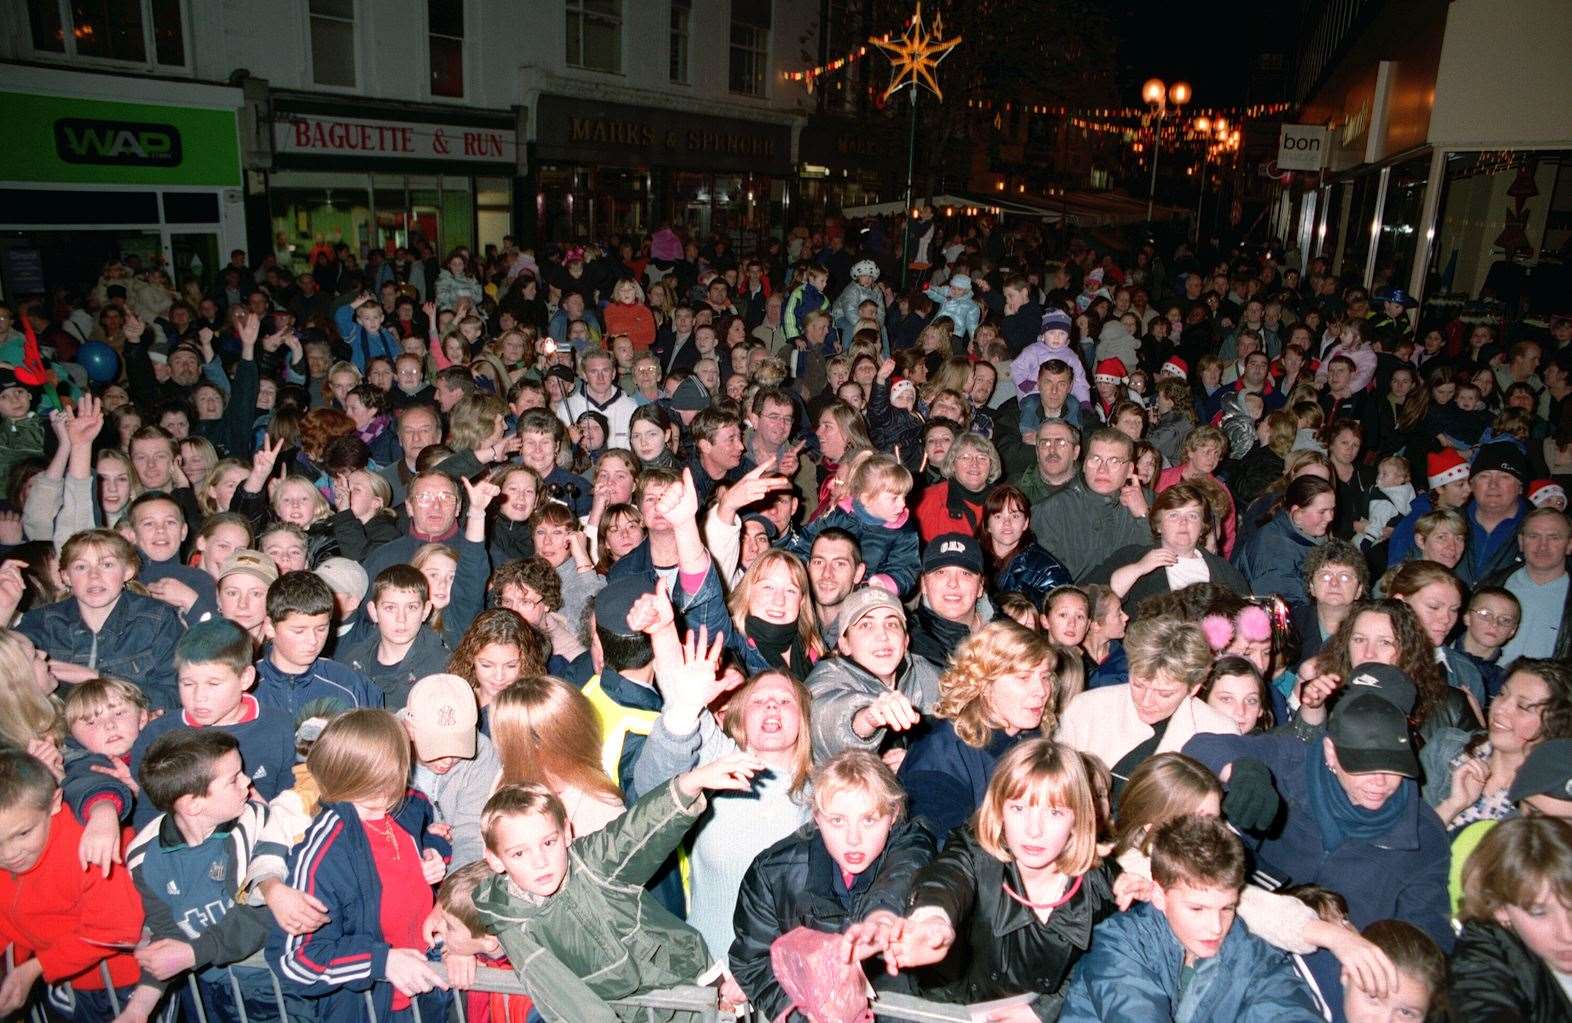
{"points": [[821, 984]]}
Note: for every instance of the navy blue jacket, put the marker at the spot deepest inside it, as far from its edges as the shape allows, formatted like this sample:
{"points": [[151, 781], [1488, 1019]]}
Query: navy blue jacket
{"points": [[328, 688], [267, 751], [1402, 876], [428, 655], [1272, 557], [136, 643], [1132, 971], [1032, 571], [946, 779], [347, 956]]}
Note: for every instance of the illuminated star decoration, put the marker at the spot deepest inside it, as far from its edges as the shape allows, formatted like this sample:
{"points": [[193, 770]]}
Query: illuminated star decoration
{"points": [[915, 55]]}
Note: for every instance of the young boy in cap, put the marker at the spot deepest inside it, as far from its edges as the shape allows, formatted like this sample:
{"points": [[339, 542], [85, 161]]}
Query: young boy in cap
{"points": [[349, 583], [454, 766], [21, 429]]}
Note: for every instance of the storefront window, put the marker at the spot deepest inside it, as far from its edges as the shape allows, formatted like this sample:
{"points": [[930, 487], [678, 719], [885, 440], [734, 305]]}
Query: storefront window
{"points": [[1501, 214], [493, 211], [311, 210], [1405, 197], [310, 218], [1358, 220], [458, 214]]}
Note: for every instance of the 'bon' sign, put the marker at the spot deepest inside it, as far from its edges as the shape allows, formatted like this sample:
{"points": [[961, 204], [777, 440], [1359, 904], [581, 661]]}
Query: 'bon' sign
{"points": [[1301, 147]]}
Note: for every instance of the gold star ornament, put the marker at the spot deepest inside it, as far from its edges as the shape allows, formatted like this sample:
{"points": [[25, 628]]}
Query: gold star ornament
{"points": [[915, 55]]}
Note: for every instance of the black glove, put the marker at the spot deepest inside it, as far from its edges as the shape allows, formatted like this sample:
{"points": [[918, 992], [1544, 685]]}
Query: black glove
{"points": [[1252, 801]]}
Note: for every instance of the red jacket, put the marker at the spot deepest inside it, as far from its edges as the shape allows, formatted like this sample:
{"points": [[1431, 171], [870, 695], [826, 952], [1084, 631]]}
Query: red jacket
{"points": [[934, 517], [634, 320], [64, 915]]}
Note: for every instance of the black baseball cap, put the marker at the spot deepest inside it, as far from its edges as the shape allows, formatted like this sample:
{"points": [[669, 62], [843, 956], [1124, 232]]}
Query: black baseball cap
{"points": [[1546, 771], [1370, 734], [953, 549], [1385, 681], [613, 603]]}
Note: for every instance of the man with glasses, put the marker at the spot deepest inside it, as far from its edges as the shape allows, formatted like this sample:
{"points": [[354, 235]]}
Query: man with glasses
{"points": [[432, 506], [1058, 451], [1099, 513]]}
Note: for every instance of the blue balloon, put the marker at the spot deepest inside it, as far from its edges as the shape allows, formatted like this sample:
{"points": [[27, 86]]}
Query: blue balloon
{"points": [[100, 362]]}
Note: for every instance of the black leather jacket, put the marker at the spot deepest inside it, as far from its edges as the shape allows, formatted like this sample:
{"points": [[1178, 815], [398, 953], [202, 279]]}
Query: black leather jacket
{"points": [[1001, 948]]}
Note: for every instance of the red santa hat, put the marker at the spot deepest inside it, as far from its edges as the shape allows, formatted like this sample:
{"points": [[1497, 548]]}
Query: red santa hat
{"points": [[1109, 371], [1445, 467], [1542, 492], [1176, 367]]}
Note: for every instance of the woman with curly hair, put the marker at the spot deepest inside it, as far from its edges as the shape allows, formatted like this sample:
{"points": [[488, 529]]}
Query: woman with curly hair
{"points": [[997, 692], [1383, 632], [497, 650]]}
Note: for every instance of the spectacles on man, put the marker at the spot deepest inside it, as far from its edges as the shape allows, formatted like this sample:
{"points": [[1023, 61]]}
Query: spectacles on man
{"points": [[1489, 617]]}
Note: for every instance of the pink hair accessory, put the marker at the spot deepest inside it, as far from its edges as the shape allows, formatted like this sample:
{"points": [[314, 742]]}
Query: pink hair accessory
{"points": [[1219, 632], [1255, 624]]}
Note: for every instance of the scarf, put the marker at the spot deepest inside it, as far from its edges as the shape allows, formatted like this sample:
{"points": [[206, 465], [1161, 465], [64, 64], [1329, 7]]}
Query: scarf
{"points": [[964, 504], [774, 641], [1337, 818]]}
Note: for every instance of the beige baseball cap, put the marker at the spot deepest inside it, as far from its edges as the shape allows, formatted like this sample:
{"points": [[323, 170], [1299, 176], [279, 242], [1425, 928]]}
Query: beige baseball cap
{"points": [[442, 716], [253, 563]]}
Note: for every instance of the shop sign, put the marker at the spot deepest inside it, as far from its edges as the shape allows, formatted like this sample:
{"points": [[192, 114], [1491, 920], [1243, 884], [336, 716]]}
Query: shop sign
{"points": [[117, 143], [1301, 147], [63, 140], [650, 136], [843, 145], [321, 135]]}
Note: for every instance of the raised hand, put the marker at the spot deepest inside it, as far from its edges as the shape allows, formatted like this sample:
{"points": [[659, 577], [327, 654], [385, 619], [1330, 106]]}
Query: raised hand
{"points": [[82, 426], [12, 587], [652, 612], [480, 495], [263, 461], [250, 326], [731, 773], [60, 422], [133, 327], [791, 461], [696, 681], [10, 528], [680, 503], [751, 489]]}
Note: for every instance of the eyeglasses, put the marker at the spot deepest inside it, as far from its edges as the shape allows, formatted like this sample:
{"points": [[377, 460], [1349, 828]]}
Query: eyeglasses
{"points": [[777, 417], [1111, 461], [429, 497], [1489, 617], [1328, 578], [1056, 442]]}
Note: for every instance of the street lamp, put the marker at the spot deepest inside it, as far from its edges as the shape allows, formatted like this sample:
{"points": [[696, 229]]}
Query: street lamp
{"points": [[1157, 95], [1208, 130]]}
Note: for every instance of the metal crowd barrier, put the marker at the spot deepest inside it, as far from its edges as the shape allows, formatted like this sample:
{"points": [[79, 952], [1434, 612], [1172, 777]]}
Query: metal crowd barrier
{"points": [[688, 1004]]}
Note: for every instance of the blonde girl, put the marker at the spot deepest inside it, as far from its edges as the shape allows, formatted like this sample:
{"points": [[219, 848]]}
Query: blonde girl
{"points": [[217, 488], [369, 859], [1023, 882], [548, 733], [997, 693], [773, 624], [30, 718]]}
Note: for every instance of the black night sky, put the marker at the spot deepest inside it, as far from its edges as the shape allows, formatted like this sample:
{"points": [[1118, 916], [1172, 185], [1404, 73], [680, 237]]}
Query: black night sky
{"points": [[1210, 44]]}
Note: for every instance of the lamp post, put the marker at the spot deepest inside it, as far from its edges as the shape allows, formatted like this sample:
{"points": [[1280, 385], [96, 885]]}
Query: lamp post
{"points": [[1158, 95], [1208, 129]]}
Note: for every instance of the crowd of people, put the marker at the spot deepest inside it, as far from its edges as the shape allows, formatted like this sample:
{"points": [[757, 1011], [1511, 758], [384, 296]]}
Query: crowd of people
{"points": [[1081, 634]]}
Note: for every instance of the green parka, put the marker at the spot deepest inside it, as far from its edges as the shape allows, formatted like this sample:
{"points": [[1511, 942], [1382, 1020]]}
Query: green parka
{"points": [[602, 936]]}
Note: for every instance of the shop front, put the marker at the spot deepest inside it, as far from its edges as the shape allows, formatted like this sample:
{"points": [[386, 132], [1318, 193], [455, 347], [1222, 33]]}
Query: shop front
{"points": [[607, 168], [98, 167], [385, 178], [842, 164]]}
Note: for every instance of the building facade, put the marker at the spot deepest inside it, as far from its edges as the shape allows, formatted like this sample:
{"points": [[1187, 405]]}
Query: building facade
{"points": [[386, 122], [1449, 160]]}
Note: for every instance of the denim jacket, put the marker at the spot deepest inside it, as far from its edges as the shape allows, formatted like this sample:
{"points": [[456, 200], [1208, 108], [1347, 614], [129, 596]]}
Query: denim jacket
{"points": [[136, 643]]}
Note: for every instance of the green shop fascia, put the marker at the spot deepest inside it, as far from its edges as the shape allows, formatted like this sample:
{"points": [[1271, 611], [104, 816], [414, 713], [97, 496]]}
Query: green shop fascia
{"points": [[87, 179]]}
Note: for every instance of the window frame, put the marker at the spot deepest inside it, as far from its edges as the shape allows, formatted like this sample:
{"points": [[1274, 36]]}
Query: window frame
{"points": [[578, 9], [760, 53], [149, 42], [464, 62], [356, 27], [685, 38]]}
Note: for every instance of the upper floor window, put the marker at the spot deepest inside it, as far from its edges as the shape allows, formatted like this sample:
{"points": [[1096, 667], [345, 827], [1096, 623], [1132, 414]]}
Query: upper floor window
{"points": [[595, 34], [146, 32], [445, 30], [750, 46], [333, 43], [681, 11]]}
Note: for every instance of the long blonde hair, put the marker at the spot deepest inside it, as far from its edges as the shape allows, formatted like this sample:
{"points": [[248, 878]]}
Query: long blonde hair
{"points": [[807, 620], [547, 733], [996, 649], [362, 754], [25, 713], [802, 755]]}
